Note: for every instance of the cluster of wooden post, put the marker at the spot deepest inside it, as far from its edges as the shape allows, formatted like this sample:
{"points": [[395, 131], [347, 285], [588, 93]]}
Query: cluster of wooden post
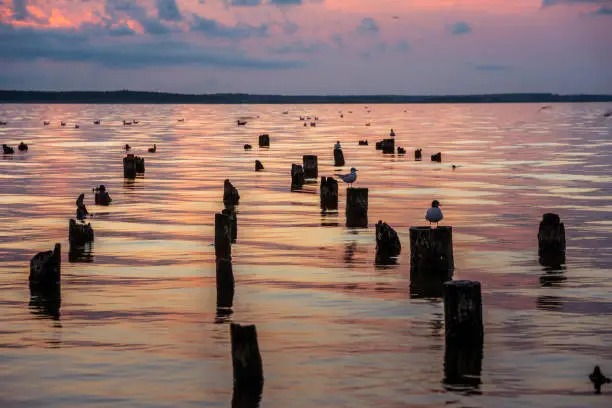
{"points": [[551, 240], [133, 165], [329, 193], [338, 158], [79, 233], [356, 207]]}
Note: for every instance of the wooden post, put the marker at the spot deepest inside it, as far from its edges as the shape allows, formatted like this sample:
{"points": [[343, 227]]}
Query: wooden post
{"points": [[379, 145], [246, 359], [79, 233], [80, 253], [258, 165], [432, 249], [329, 193], [463, 312], [225, 283], [551, 240], [46, 301], [462, 366], [264, 140], [230, 194], [436, 157], [418, 154], [338, 158], [356, 207], [223, 236], [45, 268], [388, 146], [129, 166], [140, 165], [311, 167], [297, 176], [387, 242], [233, 222]]}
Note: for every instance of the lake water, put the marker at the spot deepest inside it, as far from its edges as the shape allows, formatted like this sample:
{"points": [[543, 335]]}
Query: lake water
{"points": [[137, 326]]}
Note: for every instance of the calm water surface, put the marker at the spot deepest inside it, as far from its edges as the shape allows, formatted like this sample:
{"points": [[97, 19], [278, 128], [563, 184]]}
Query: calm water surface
{"points": [[137, 325]]}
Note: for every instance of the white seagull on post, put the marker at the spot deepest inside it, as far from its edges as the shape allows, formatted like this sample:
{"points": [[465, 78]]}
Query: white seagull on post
{"points": [[349, 178], [434, 213]]}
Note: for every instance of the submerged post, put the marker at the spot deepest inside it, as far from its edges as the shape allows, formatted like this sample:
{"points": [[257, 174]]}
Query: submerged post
{"points": [[79, 233], [431, 249], [264, 140], [45, 268], [463, 312], [311, 167], [356, 207], [297, 176], [551, 239], [223, 236], [246, 359], [418, 154], [258, 165], [436, 157], [329, 193], [338, 158], [225, 283]]}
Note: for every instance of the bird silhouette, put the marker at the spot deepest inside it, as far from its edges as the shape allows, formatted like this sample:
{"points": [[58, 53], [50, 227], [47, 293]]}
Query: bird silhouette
{"points": [[434, 213], [349, 178], [598, 379]]}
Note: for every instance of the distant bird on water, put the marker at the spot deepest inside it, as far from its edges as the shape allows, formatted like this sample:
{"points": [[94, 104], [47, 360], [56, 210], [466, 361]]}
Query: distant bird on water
{"points": [[598, 379], [153, 149], [434, 213], [607, 114], [349, 178]]}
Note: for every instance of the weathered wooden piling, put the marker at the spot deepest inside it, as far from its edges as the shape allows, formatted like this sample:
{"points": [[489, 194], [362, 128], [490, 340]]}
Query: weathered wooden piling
{"points": [[46, 301], [338, 158], [432, 249], [79, 232], [436, 157], [356, 207], [246, 359], [311, 167], [363, 143], [247, 147], [22, 147], [379, 145], [463, 312], [233, 222], [462, 366], [401, 150], [258, 165], [45, 268], [140, 165], [418, 154], [132, 165], [264, 140], [80, 253], [329, 193], [387, 242], [551, 238], [388, 146], [297, 176], [223, 236], [230, 194], [225, 283]]}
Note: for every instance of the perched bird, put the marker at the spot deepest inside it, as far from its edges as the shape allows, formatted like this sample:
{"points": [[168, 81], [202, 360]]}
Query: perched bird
{"points": [[598, 379], [153, 149], [392, 133], [247, 147], [349, 178], [434, 213], [46, 123], [76, 126], [127, 147], [96, 122], [63, 123]]}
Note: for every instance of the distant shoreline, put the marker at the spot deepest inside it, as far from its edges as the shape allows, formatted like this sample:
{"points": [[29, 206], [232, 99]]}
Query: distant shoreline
{"points": [[138, 97]]}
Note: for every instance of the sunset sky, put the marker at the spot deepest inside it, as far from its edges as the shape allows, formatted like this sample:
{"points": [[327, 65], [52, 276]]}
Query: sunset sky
{"points": [[308, 46]]}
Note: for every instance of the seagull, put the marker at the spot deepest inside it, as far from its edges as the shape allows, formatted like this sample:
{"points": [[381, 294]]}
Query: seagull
{"points": [[598, 379], [434, 213], [349, 178]]}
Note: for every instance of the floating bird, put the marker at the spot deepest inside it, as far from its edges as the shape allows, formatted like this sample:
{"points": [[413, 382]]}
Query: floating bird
{"points": [[545, 107], [302, 118], [454, 167], [7, 149], [241, 122], [349, 178], [305, 124], [46, 123], [368, 124], [22, 147], [434, 213], [316, 118], [153, 149], [76, 126], [598, 379], [247, 147], [285, 112], [607, 114], [62, 123], [2, 123], [126, 123], [401, 150], [392, 133], [96, 122], [313, 124], [127, 147], [363, 143], [181, 120], [341, 115], [135, 122]]}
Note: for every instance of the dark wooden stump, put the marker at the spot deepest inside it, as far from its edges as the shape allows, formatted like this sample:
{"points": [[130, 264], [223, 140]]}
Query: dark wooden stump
{"points": [[436, 157], [338, 158], [418, 154], [258, 165], [225, 283], [264, 140], [356, 207], [551, 240], [329, 193], [311, 167], [223, 236], [246, 359], [462, 366], [230, 194], [379, 145], [388, 146], [432, 249], [45, 268], [463, 312], [247, 147], [129, 166], [401, 150], [363, 143], [46, 301], [80, 253], [233, 222], [387, 242], [297, 176], [79, 233], [140, 165]]}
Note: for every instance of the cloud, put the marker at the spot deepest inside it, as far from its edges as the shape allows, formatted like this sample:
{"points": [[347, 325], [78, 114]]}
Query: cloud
{"points": [[299, 47], [493, 67], [461, 28], [105, 29], [338, 40], [401, 46], [20, 11], [290, 28], [168, 10], [602, 11], [368, 26], [119, 10], [550, 3], [286, 2], [244, 3], [213, 29]]}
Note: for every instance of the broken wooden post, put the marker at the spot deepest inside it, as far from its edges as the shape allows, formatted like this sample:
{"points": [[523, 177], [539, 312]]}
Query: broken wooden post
{"points": [[225, 283], [230, 194], [388, 146], [140, 165], [129, 166], [432, 249], [338, 158], [418, 154], [463, 312], [297, 176], [436, 157], [356, 207], [387, 242], [79, 233], [264, 140], [258, 165], [45, 268], [379, 145], [551, 240], [233, 222], [246, 359], [311, 167], [329, 193], [223, 236]]}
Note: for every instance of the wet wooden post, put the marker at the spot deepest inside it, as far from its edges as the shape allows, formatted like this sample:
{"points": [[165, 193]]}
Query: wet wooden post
{"points": [[79, 233], [329, 193], [379, 145], [129, 166], [225, 283], [436, 157], [311, 167], [431, 249], [338, 158], [258, 165], [264, 140], [463, 312], [231, 214], [356, 207], [246, 359], [418, 154], [140, 165], [462, 365], [388, 146], [230, 194], [297, 176], [223, 236], [551, 240], [45, 268], [387, 242]]}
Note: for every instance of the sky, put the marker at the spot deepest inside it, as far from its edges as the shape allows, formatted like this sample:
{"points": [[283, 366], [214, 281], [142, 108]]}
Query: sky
{"points": [[308, 46]]}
